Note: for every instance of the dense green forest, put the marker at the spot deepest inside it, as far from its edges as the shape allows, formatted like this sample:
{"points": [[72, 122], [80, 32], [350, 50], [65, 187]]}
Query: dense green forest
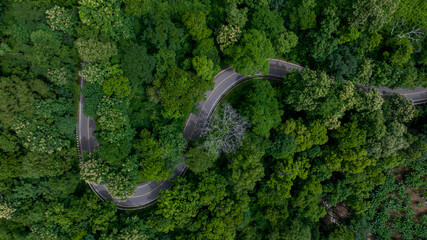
{"points": [[308, 157]]}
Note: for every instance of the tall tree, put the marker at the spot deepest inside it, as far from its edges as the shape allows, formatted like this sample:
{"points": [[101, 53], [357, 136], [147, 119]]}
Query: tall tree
{"points": [[250, 56], [246, 166], [262, 107], [94, 51], [109, 24], [180, 91]]}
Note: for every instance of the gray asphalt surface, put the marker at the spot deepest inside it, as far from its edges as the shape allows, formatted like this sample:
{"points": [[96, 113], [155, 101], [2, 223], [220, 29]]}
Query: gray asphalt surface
{"points": [[147, 193]]}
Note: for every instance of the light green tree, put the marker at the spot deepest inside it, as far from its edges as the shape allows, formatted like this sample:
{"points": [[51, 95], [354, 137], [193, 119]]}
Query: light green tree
{"points": [[93, 51], [196, 25], [152, 154], [285, 42], [204, 67], [117, 85], [246, 167], [199, 160], [250, 56], [179, 92], [286, 171], [104, 18]]}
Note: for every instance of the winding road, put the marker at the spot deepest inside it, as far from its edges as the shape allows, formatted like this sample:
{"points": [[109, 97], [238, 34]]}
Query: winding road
{"points": [[147, 193]]}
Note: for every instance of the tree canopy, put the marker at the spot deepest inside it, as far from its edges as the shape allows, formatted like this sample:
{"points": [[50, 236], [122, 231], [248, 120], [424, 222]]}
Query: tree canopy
{"points": [[310, 155]]}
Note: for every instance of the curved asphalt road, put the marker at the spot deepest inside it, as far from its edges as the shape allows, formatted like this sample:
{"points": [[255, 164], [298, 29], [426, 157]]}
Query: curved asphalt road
{"points": [[147, 193]]}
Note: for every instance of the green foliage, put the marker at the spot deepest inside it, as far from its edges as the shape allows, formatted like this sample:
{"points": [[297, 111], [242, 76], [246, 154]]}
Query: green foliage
{"points": [[60, 18], [117, 85], [251, 54], [50, 129], [146, 64], [323, 41], [397, 108], [341, 233], [204, 67], [283, 146], [179, 92], [305, 136], [138, 7], [115, 131], [202, 208], [246, 167], [285, 42], [262, 107], [403, 49], [153, 165], [161, 31], [207, 48], [301, 14], [166, 59], [304, 88], [159, 156], [413, 12], [121, 185], [134, 228], [104, 19], [27, 15], [307, 198], [138, 65], [199, 160], [71, 218], [371, 14], [16, 98], [236, 16], [296, 230], [268, 21], [94, 51], [196, 25], [173, 143], [48, 52], [286, 171], [93, 94], [343, 62], [319, 96], [349, 136]]}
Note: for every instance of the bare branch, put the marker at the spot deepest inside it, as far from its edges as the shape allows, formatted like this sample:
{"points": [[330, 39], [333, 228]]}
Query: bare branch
{"points": [[225, 130], [399, 22]]}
